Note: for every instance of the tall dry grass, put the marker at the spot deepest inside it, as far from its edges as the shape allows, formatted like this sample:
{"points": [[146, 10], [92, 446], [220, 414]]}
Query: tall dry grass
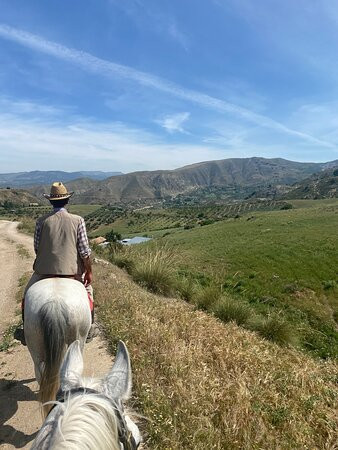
{"points": [[155, 269], [204, 384]]}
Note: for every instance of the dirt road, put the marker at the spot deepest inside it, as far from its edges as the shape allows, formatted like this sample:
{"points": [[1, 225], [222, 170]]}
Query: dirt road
{"points": [[19, 411]]}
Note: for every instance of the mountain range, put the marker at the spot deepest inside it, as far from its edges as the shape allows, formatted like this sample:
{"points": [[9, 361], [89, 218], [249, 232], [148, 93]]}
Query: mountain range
{"points": [[159, 184], [39, 177], [249, 173]]}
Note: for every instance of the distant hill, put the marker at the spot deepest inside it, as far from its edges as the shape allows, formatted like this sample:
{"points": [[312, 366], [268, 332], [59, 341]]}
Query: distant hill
{"points": [[320, 185], [17, 197], [161, 184], [79, 186], [39, 177]]}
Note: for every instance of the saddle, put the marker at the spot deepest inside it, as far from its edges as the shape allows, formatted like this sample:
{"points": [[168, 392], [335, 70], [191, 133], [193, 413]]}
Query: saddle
{"points": [[72, 277]]}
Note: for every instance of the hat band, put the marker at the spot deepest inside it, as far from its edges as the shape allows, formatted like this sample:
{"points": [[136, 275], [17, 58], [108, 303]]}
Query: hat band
{"points": [[59, 195]]}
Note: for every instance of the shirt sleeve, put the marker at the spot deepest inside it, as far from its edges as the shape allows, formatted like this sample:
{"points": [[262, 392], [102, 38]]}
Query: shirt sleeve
{"points": [[37, 233], [82, 240]]}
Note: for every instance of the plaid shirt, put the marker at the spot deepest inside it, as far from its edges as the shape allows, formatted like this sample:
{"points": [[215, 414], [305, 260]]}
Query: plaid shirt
{"points": [[82, 239]]}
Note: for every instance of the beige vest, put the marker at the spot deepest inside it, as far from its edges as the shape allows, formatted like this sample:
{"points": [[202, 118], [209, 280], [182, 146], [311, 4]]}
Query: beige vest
{"points": [[57, 252]]}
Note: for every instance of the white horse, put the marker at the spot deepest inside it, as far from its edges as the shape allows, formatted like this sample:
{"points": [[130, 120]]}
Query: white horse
{"points": [[57, 313], [88, 413]]}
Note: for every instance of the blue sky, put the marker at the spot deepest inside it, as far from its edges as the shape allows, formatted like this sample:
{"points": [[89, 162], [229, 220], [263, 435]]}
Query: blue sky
{"points": [[157, 84]]}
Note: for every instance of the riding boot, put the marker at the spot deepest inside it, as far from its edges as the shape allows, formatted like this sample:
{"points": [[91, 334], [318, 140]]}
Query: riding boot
{"points": [[93, 330], [19, 333]]}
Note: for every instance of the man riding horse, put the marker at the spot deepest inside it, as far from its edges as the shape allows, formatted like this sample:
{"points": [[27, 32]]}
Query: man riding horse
{"points": [[62, 248]]}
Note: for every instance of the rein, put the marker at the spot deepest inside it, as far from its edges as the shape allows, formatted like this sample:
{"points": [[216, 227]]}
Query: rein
{"points": [[125, 436]]}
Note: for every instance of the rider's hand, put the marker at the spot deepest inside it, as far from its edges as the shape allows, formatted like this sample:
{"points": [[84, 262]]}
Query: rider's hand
{"points": [[88, 278]]}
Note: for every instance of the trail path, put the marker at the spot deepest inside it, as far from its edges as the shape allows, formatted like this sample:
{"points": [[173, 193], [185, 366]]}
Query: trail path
{"points": [[19, 411]]}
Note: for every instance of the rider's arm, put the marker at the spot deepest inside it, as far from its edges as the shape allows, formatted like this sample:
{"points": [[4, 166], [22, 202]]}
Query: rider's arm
{"points": [[88, 276], [84, 251], [37, 233]]}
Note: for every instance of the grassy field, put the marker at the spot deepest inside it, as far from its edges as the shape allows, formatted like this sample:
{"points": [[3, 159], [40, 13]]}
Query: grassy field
{"points": [[274, 272], [202, 384], [280, 261], [158, 220]]}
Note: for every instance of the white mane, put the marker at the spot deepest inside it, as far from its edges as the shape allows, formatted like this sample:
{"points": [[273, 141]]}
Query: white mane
{"points": [[86, 422]]}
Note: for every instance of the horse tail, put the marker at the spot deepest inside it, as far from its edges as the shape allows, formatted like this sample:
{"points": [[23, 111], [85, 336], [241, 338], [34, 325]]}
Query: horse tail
{"points": [[53, 320]]}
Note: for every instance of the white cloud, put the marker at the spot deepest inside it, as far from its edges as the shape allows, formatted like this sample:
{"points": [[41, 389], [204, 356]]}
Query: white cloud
{"points": [[174, 122], [27, 107], [110, 69], [83, 144]]}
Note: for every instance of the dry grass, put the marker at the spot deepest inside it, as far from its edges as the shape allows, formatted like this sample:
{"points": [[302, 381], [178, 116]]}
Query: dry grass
{"points": [[208, 385]]}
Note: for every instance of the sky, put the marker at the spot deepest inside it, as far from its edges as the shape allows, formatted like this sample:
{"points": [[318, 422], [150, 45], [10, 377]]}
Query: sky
{"points": [[128, 85]]}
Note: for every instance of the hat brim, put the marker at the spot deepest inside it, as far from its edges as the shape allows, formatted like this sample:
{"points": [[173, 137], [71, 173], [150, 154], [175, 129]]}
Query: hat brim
{"points": [[58, 197]]}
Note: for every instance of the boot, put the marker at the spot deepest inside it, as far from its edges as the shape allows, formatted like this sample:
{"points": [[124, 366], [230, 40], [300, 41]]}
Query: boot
{"points": [[19, 335]]}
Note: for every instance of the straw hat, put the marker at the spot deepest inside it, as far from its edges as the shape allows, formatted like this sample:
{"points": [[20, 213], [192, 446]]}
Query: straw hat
{"points": [[58, 191]]}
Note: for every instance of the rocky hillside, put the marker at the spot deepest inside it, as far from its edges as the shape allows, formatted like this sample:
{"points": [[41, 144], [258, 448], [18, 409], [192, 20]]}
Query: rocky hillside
{"points": [[320, 185], [17, 197]]}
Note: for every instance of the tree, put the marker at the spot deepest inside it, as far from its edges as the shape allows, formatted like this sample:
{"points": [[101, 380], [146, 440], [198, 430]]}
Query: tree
{"points": [[111, 236]]}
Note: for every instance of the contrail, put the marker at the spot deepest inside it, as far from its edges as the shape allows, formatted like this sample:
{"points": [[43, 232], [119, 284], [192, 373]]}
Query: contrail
{"points": [[109, 69]]}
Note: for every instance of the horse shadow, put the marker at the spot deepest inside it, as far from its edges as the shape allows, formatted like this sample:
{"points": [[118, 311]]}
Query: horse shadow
{"points": [[11, 392]]}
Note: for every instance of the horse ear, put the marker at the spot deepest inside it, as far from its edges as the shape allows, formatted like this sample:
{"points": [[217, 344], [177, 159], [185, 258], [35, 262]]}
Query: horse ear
{"points": [[118, 380], [72, 367]]}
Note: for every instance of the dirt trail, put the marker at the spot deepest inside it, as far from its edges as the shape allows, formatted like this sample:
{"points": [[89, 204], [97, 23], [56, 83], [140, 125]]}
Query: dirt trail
{"points": [[19, 411]]}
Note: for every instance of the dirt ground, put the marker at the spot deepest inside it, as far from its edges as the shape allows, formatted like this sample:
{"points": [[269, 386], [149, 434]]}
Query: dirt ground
{"points": [[20, 417]]}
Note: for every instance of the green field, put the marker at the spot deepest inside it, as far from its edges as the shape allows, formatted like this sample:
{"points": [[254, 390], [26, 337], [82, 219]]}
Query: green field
{"points": [[279, 261], [279, 265], [156, 221]]}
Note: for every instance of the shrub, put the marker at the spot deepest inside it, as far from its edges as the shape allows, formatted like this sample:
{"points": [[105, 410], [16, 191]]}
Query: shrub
{"points": [[229, 310], [276, 329], [186, 289], [286, 206], [155, 270], [291, 288], [208, 296], [27, 225], [330, 284], [155, 277], [123, 262]]}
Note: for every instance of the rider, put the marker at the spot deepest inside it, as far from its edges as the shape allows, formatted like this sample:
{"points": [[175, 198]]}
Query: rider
{"points": [[61, 247]]}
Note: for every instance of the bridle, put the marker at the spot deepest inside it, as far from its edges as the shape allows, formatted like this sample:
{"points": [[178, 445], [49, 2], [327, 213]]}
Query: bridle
{"points": [[126, 437]]}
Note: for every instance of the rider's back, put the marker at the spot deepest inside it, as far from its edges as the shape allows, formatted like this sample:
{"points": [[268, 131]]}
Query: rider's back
{"points": [[57, 252]]}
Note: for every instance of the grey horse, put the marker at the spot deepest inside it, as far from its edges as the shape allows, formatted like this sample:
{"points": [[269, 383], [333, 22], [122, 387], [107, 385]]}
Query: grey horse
{"points": [[57, 313]]}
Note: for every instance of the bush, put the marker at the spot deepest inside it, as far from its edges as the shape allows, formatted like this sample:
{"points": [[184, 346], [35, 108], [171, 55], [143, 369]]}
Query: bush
{"points": [[275, 329], [286, 206], [330, 284], [229, 310], [27, 225], [156, 278], [155, 270], [207, 297], [186, 289], [123, 262]]}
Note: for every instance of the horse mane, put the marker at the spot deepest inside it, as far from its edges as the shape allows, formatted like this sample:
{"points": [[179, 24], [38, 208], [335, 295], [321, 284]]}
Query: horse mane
{"points": [[87, 422]]}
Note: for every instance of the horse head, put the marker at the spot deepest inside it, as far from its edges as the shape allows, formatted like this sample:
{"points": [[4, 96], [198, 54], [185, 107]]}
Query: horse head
{"points": [[89, 413]]}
